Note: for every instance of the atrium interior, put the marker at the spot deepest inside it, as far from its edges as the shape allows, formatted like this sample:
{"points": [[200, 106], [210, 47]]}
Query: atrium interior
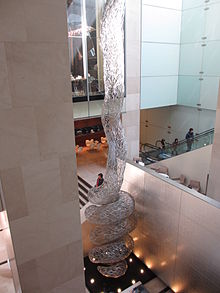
{"points": [[110, 146]]}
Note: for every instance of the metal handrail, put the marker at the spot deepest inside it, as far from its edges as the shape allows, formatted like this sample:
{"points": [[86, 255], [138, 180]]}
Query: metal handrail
{"points": [[196, 137]]}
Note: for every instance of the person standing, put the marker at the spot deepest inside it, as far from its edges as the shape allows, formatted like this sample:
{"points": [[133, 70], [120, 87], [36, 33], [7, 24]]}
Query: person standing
{"points": [[174, 146], [189, 139], [100, 180]]}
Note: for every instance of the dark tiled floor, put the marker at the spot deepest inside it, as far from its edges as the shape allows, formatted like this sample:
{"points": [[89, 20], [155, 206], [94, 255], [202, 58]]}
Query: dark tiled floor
{"points": [[107, 285]]}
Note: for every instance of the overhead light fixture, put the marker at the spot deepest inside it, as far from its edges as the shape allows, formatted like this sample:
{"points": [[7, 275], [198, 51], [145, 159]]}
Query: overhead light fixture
{"points": [[141, 271], [119, 290], [92, 281], [130, 259], [133, 282]]}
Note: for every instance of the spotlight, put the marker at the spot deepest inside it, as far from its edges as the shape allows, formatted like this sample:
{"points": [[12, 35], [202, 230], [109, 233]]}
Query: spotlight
{"points": [[119, 290], [92, 281], [133, 282], [130, 259], [141, 271]]}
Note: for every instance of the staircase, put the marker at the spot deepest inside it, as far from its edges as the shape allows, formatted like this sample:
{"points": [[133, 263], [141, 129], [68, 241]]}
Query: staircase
{"points": [[83, 187]]}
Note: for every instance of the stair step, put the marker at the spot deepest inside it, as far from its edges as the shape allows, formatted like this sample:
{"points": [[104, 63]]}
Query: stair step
{"points": [[83, 188], [83, 195], [82, 201], [81, 180]]}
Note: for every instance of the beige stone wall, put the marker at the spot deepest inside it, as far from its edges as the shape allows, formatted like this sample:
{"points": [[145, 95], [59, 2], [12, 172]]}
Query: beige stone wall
{"points": [[37, 165], [131, 119]]}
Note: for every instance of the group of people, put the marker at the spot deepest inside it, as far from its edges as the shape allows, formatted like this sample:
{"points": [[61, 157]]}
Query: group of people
{"points": [[189, 141]]}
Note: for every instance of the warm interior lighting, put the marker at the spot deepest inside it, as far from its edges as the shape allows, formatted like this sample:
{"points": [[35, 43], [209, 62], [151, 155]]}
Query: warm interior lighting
{"points": [[135, 238], [92, 281], [119, 290], [133, 282], [163, 263], [149, 265], [130, 260], [141, 271], [137, 254], [176, 289]]}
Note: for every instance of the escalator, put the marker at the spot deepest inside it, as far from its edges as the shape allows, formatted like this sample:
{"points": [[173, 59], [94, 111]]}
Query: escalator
{"points": [[151, 153]]}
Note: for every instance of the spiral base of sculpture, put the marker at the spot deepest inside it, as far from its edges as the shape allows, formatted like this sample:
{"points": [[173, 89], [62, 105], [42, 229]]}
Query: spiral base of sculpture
{"points": [[113, 210]]}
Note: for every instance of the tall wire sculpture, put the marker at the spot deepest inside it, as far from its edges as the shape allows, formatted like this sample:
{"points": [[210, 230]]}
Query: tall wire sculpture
{"points": [[113, 210]]}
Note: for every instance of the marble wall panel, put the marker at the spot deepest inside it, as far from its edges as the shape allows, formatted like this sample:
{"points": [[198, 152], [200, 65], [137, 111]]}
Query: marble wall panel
{"points": [[14, 193], [42, 185], [5, 97], [37, 162], [12, 21], [19, 141], [45, 20], [55, 132], [69, 183], [42, 79]]}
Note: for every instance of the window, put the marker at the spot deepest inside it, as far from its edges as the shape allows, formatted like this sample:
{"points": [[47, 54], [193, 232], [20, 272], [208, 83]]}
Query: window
{"points": [[86, 64]]}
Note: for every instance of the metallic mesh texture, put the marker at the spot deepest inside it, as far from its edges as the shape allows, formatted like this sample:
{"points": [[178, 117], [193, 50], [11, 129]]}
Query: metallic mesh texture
{"points": [[113, 252], [105, 234], [115, 270], [112, 213], [112, 209]]}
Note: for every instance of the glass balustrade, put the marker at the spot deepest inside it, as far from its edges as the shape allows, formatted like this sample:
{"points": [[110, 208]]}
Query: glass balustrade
{"points": [[150, 154]]}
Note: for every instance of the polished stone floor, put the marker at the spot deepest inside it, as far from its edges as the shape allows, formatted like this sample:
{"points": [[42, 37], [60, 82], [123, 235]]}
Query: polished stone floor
{"points": [[91, 163]]}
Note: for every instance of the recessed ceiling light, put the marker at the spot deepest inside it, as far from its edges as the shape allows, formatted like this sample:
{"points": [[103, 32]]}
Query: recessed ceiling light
{"points": [[92, 281], [130, 260], [141, 271]]}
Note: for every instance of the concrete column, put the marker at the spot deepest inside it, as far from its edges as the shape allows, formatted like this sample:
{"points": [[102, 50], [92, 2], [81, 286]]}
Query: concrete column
{"points": [[37, 163], [131, 119]]}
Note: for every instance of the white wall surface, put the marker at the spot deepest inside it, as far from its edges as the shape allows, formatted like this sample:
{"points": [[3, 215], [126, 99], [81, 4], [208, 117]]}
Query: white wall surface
{"points": [[194, 165]]}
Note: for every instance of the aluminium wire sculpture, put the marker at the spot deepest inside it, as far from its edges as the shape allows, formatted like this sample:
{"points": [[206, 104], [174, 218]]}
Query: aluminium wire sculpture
{"points": [[112, 210]]}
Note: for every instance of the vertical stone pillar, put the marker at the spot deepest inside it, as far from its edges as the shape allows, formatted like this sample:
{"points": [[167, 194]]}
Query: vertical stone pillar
{"points": [[131, 119], [214, 183], [37, 162]]}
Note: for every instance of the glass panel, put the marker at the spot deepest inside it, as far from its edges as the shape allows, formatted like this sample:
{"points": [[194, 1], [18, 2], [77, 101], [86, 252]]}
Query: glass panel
{"points": [[158, 25], [213, 22], [80, 110], [209, 92], [192, 3], [76, 52], [175, 4], [158, 91], [160, 59], [95, 108], [193, 25], [211, 61], [201, 140], [189, 90], [94, 10], [190, 59]]}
